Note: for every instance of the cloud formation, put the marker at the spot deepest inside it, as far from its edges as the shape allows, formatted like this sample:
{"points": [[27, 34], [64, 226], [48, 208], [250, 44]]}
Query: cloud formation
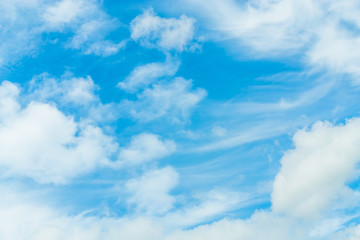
{"points": [[150, 193], [144, 148], [80, 157], [144, 75], [321, 33], [173, 101], [83, 22], [40, 142], [313, 176], [163, 33]]}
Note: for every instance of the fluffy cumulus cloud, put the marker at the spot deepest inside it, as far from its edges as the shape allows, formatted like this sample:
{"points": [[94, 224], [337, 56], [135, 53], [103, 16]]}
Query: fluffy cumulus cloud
{"points": [[66, 12], [174, 101], [149, 194], [313, 176], [163, 33], [8, 99], [144, 148], [78, 94], [40, 142]]}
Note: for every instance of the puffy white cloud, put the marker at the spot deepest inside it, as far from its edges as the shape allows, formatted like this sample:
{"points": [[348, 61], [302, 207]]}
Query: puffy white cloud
{"points": [[70, 92], [313, 176], [150, 193], [163, 33], [65, 12], [144, 148], [144, 75], [334, 51], [174, 100], [8, 99], [40, 142]]}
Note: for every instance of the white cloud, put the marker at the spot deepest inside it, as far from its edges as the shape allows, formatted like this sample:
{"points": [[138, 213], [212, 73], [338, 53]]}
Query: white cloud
{"points": [[90, 34], [206, 206], [23, 23], [144, 75], [334, 51], [70, 92], [354, 233], [174, 100], [269, 27], [313, 176], [163, 33], [105, 48], [262, 225], [150, 192], [40, 142], [66, 90], [248, 134], [293, 100], [8, 99], [66, 12], [20, 35], [144, 148], [329, 226], [40, 222], [88, 22], [321, 33]]}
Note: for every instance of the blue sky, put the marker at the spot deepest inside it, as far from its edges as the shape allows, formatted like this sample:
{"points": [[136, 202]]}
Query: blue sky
{"points": [[184, 119]]}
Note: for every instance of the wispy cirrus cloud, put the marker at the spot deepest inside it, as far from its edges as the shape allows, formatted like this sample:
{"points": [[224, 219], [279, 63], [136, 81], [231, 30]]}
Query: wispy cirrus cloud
{"points": [[281, 29], [144, 75], [173, 101], [24, 24]]}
